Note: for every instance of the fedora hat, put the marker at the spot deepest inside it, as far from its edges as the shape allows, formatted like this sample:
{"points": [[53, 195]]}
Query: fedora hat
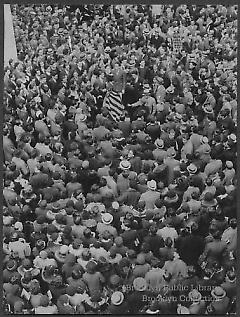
{"points": [[82, 117], [195, 296], [115, 279], [182, 310], [90, 223], [115, 205], [229, 164], [192, 169], [218, 293], [232, 137], [159, 143], [62, 252], [171, 152], [152, 185], [204, 140], [140, 284], [171, 197], [56, 206], [117, 298], [146, 89], [146, 31], [131, 63], [209, 200], [208, 109], [107, 218], [125, 165]]}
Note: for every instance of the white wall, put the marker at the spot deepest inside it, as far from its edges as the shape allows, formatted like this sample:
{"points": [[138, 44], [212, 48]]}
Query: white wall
{"points": [[10, 50]]}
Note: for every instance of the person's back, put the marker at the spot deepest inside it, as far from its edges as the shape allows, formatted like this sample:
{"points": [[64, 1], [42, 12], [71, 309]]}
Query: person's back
{"points": [[122, 184], [220, 306], [125, 127], [8, 148], [93, 281], [130, 197], [171, 164], [155, 242], [191, 248], [155, 279], [215, 250], [197, 308], [129, 237], [230, 287], [150, 198]]}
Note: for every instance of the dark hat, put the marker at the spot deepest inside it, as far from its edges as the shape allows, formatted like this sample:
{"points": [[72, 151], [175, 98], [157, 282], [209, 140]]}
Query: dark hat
{"points": [[71, 290], [209, 200], [51, 229], [41, 219], [91, 266], [171, 197]]}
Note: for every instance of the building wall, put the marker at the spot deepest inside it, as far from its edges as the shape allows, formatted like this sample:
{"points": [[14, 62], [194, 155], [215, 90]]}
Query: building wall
{"points": [[10, 50]]}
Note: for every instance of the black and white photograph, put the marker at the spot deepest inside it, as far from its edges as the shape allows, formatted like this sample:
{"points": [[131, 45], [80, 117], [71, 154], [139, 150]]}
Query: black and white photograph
{"points": [[119, 159]]}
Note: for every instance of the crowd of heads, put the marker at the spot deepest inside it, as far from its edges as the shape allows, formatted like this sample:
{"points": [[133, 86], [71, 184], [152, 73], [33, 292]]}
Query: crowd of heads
{"points": [[130, 215]]}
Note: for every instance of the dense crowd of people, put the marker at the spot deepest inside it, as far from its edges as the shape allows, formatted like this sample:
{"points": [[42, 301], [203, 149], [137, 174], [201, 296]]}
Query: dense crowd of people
{"points": [[136, 215]]}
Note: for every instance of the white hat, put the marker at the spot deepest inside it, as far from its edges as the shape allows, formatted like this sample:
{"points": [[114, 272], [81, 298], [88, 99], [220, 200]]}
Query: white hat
{"points": [[229, 164], [18, 226], [125, 165], [204, 140], [232, 137], [159, 143], [152, 185], [146, 88], [115, 205], [117, 298], [64, 249], [85, 164], [140, 284], [82, 117], [171, 152], [130, 154], [192, 168], [7, 221], [218, 292], [107, 218], [229, 188]]}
